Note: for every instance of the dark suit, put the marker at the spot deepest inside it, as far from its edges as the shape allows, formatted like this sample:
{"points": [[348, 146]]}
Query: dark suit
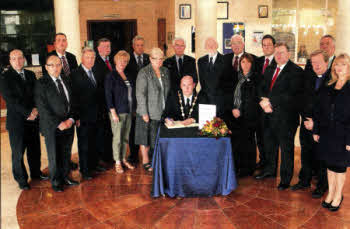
{"points": [[71, 59], [133, 69], [104, 131], [188, 68], [53, 111], [259, 65], [173, 107], [311, 98], [90, 100], [280, 126], [23, 134], [211, 81]]}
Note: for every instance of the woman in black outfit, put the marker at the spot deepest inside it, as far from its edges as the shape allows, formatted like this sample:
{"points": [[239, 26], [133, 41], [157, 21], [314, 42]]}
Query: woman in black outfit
{"points": [[332, 130], [245, 116]]}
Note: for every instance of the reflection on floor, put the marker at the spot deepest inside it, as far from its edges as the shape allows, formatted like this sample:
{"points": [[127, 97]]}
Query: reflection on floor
{"points": [[112, 200]]}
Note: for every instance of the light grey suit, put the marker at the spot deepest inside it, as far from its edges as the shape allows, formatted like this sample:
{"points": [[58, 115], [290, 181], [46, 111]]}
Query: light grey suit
{"points": [[148, 92]]}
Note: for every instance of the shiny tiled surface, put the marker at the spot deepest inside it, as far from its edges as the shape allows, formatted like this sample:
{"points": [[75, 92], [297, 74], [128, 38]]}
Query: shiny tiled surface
{"points": [[123, 201]]}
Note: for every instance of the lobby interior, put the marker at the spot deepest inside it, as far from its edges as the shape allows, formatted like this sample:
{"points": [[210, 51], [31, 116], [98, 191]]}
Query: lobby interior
{"points": [[112, 200]]}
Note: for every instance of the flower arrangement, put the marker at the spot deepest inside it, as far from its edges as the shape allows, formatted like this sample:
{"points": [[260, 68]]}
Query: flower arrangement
{"points": [[215, 128]]}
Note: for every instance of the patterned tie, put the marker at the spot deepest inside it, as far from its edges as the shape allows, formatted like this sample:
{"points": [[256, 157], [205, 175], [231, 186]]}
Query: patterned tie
{"points": [[91, 77], [274, 78], [22, 76], [267, 61], [62, 93], [139, 62], [108, 65], [65, 66], [235, 64]]}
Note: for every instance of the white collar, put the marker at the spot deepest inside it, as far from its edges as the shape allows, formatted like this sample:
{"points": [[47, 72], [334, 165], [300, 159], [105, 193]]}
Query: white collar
{"points": [[59, 54]]}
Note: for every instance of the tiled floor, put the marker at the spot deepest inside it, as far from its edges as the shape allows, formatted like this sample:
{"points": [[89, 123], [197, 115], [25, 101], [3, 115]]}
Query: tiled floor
{"points": [[123, 201]]}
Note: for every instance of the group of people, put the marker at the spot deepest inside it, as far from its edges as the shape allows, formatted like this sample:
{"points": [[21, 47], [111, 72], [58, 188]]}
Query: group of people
{"points": [[121, 101]]}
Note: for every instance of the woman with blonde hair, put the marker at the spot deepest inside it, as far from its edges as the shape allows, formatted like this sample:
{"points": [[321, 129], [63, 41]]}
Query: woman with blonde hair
{"points": [[332, 130], [152, 88], [121, 100]]}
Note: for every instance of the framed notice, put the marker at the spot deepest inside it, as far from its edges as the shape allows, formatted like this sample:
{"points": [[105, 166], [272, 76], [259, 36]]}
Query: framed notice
{"points": [[185, 11], [222, 10]]}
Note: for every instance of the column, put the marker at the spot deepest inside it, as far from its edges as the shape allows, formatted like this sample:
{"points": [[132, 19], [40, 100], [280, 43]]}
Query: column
{"points": [[206, 25], [67, 21], [343, 27]]}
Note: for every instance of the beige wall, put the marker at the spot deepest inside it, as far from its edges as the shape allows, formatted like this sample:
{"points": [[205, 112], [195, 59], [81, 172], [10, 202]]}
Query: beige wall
{"points": [[146, 12], [239, 11]]}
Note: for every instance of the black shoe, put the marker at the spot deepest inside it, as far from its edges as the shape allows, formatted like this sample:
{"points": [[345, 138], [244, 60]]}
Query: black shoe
{"points": [[86, 177], [318, 193], [100, 169], [260, 165], [300, 186], [41, 176], [282, 186], [24, 186], [70, 182], [57, 188], [326, 205], [73, 165], [264, 175], [334, 209]]}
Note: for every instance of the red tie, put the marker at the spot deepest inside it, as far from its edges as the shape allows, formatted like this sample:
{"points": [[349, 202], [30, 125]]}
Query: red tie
{"points": [[274, 78], [235, 64], [108, 65], [267, 61]]}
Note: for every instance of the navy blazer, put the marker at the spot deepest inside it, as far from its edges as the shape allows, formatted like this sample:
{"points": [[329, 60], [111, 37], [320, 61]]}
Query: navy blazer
{"points": [[116, 93]]}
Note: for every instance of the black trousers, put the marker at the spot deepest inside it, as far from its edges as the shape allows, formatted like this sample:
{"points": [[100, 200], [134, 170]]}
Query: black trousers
{"points": [[134, 149], [308, 161], [260, 138], [276, 136], [59, 147], [21, 139], [244, 148], [104, 137], [87, 142]]}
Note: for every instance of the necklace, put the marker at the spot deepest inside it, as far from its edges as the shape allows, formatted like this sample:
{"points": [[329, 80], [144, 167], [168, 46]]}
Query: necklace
{"points": [[182, 107]]}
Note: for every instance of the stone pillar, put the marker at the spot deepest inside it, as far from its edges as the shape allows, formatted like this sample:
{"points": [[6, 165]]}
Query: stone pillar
{"points": [[67, 21], [206, 25], [343, 27]]}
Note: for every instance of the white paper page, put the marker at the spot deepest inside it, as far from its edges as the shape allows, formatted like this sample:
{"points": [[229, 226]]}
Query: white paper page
{"points": [[206, 113]]}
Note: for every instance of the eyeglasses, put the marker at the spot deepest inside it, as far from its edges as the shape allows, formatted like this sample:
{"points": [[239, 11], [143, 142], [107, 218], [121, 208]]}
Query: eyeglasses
{"points": [[54, 65]]}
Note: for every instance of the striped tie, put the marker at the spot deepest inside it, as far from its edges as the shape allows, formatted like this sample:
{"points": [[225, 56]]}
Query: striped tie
{"points": [[65, 66]]}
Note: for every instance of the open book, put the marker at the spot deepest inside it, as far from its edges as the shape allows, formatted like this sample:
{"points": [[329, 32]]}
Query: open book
{"points": [[179, 125]]}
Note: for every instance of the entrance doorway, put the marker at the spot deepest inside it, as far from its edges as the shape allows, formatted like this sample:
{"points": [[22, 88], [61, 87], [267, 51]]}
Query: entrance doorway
{"points": [[119, 32]]}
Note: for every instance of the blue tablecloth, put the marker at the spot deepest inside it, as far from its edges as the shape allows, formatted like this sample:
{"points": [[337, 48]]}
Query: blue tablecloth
{"points": [[193, 167]]}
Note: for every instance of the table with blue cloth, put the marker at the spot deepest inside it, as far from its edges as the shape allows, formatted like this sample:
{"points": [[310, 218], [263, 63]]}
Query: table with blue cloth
{"points": [[187, 165]]}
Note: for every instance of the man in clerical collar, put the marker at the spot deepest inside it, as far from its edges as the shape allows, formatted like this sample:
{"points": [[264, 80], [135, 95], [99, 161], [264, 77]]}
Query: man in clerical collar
{"points": [[183, 104]]}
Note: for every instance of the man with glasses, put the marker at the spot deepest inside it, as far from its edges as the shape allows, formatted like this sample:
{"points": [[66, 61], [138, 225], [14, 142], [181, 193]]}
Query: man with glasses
{"points": [[56, 105], [180, 64]]}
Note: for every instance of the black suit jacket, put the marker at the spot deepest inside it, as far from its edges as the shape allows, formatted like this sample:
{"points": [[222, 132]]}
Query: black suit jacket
{"points": [[19, 97], [50, 104], [211, 81], [285, 95], [71, 59], [173, 107], [260, 62], [132, 67], [89, 98], [188, 68]]}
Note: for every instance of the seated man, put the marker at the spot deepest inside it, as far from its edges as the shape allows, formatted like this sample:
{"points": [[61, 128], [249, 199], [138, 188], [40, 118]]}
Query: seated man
{"points": [[183, 104]]}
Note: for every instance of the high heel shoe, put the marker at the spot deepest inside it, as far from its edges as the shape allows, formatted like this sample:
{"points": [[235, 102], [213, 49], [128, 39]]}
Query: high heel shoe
{"points": [[334, 209], [326, 205], [128, 165]]}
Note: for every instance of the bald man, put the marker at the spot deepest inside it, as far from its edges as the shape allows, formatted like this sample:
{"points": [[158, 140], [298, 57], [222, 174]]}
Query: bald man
{"points": [[183, 104], [56, 105], [22, 119]]}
